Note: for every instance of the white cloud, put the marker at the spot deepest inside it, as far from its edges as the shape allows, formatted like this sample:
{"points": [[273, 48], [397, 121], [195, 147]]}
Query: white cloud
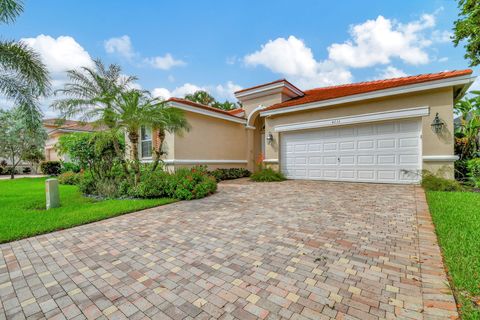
{"points": [[442, 36], [221, 92], [165, 63], [60, 54], [293, 59], [391, 72], [121, 45], [178, 92], [226, 91], [378, 41], [443, 59]]}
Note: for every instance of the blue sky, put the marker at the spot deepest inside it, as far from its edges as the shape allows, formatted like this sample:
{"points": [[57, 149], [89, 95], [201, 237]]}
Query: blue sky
{"points": [[176, 47]]}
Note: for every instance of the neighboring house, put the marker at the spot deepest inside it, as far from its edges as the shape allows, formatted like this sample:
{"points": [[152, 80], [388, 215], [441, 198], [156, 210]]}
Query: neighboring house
{"points": [[56, 128], [377, 131]]}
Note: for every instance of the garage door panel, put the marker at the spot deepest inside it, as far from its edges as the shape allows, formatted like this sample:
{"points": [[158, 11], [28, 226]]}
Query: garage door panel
{"points": [[380, 152]]}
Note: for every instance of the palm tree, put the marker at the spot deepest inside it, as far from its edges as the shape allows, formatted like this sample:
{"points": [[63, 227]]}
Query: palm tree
{"points": [[202, 97], [23, 76], [467, 133], [90, 94], [134, 109]]}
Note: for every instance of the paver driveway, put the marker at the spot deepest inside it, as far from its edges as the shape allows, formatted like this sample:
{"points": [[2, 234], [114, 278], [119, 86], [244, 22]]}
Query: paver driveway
{"points": [[291, 250]]}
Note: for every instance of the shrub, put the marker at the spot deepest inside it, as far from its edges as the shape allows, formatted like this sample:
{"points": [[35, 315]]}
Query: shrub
{"points": [[230, 173], [51, 168], [430, 182], [461, 170], [70, 167], [267, 175], [8, 170], [187, 184], [152, 185], [86, 184], [473, 166], [27, 170], [70, 178], [1, 170]]}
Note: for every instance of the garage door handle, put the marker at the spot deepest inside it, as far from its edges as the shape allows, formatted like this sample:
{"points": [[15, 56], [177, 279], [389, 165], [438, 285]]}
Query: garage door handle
{"points": [[338, 159]]}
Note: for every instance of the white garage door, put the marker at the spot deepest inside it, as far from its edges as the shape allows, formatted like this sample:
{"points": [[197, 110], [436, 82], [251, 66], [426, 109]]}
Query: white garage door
{"points": [[387, 152]]}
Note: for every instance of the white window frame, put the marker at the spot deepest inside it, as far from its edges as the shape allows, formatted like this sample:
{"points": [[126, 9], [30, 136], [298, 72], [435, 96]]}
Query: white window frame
{"points": [[141, 141]]}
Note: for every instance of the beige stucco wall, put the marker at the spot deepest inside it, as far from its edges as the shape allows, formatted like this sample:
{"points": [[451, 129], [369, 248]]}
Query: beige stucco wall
{"points": [[250, 104], [50, 152], [209, 138], [440, 101]]}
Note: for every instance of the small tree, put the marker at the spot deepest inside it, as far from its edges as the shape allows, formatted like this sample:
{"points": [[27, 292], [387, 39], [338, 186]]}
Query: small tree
{"points": [[467, 28], [17, 138], [34, 156], [203, 97]]}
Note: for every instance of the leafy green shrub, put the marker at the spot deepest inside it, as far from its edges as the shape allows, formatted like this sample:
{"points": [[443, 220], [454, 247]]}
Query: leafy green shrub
{"points": [[187, 184], [70, 178], [267, 175], [1, 170], [152, 185], [461, 170], [51, 168], [8, 170], [430, 182], [26, 170], [86, 185], [230, 173], [70, 167], [473, 166]]}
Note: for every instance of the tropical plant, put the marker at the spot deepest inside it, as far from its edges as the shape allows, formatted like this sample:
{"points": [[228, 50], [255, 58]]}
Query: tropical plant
{"points": [[135, 109], [23, 76], [267, 175], [17, 137], [34, 156], [468, 130], [203, 97], [90, 95], [466, 28]]}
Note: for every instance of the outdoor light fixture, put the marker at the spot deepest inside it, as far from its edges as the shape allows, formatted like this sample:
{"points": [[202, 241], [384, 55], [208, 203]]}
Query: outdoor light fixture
{"points": [[269, 138], [437, 124]]}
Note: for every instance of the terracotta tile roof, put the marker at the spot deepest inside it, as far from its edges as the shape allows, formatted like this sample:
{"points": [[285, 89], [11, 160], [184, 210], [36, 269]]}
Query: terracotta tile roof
{"points": [[202, 106], [60, 124], [236, 111], [267, 84], [333, 92]]}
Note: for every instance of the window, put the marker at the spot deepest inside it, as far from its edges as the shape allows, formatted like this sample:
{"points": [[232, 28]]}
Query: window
{"points": [[146, 142]]}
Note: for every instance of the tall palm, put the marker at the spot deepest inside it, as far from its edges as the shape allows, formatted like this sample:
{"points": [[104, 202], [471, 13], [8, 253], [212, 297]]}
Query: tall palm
{"points": [[90, 95], [134, 109], [23, 76]]}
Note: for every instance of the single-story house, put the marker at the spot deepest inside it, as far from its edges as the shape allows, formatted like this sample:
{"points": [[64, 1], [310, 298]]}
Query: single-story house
{"points": [[56, 128], [384, 131]]}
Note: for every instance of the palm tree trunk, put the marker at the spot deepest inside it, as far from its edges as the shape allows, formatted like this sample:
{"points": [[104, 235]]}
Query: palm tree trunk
{"points": [[120, 155], [158, 150], [133, 137]]}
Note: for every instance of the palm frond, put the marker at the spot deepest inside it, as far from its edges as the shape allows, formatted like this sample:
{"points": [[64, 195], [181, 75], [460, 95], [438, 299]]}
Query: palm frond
{"points": [[10, 10]]}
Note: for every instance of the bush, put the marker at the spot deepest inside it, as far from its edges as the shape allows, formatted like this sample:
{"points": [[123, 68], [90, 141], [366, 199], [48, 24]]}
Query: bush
{"points": [[70, 178], [27, 170], [230, 173], [70, 167], [473, 166], [152, 185], [187, 184], [1, 170], [267, 175], [8, 170], [430, 182], [461, 170], [86, 184], [51, 168]]}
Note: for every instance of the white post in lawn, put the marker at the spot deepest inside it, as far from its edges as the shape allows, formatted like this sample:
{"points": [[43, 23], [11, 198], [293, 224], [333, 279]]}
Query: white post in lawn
{"points": [[53, 196]]}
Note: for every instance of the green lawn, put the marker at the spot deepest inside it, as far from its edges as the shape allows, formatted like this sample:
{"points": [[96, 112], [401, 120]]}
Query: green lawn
{"points": [[23, 214], [457, 222]]}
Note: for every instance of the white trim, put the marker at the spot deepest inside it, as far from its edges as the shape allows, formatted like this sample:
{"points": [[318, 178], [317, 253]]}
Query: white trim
{"points": [[206, 112], [254, 112], [440, 158], [270, 160], [462, 80], [193, 161], [262, 90], [367, 117]]}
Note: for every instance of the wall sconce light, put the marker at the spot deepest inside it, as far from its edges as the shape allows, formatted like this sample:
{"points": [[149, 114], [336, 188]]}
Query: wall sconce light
{"points": [[437, 124], [269, 138]]}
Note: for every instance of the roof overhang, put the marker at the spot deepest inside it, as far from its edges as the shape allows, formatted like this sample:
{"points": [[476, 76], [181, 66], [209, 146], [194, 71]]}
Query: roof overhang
{"points": [[460, 86], [205, 112], [282, 86]]}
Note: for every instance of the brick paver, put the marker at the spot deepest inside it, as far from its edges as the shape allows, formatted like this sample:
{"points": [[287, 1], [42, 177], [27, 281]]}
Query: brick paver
{"points": [[290, 250]]}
